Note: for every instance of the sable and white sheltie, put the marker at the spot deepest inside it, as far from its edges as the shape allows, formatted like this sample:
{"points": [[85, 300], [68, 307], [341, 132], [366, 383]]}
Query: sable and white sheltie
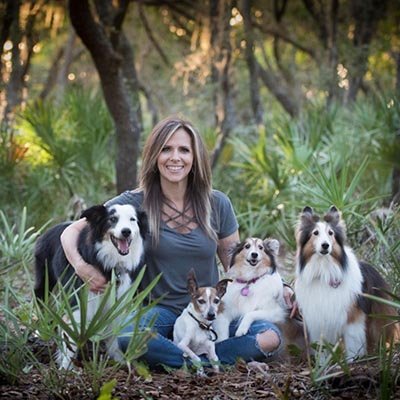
{"points": [[256, 291], [111, 241], [329, 287]]}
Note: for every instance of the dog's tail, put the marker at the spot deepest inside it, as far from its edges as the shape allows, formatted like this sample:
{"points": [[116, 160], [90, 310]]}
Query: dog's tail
{"points": [[384, 321]]}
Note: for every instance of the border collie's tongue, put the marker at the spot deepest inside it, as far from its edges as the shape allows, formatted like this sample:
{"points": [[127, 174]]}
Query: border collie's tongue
{"points": [[123, 246]]}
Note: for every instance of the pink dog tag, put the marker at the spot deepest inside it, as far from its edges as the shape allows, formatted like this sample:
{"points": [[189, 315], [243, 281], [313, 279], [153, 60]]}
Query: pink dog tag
{"points": [[245, 291]]}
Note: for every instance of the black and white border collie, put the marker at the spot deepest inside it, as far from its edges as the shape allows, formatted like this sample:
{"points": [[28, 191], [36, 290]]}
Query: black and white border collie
{"points": [[329, 287], [256, 290], [113, 240]]}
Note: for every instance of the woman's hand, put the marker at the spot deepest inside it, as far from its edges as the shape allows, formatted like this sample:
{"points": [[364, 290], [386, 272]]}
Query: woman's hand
{"points": [[287, 295], [88, 273], [225, 247], [292, 305], [92, 276]]}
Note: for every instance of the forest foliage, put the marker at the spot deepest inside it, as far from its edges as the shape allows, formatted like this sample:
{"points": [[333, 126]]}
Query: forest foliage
{"points": [[297, 100]]}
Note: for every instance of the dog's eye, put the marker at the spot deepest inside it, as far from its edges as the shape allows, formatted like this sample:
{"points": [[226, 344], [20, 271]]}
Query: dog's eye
{"points": [[201, 301], [216, 301], [330, 233], [260, 247], [133, 219], [247, 246], [113, 219], [316, 233]]}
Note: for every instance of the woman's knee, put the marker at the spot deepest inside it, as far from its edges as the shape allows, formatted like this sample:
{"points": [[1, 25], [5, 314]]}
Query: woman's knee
{"points": [[268, 341]]}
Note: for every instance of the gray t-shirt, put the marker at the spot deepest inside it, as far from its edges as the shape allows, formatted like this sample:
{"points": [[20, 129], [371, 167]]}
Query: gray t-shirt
{"points": [[176, 253]]}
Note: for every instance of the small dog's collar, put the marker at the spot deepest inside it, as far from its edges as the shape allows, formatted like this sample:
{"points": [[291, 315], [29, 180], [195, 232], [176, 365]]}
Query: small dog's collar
{"points": [[250, 281], [245, 291], [204, 326]]}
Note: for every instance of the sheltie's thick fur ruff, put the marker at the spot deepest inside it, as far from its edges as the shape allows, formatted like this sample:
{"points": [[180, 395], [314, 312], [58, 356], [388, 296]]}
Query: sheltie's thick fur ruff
{"points": [[256, 290], [111, 241], [329, 287]]}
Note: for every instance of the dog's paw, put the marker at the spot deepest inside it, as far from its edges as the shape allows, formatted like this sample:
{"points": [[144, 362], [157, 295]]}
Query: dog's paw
{"points": [[242, 330], [200, 372]]}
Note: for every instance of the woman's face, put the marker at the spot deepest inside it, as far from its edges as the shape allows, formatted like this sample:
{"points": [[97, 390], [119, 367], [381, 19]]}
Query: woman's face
{"points": [[176, 158]]}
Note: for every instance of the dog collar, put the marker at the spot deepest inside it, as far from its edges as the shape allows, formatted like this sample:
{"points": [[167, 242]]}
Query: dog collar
{"points": [[204, 326], [334, 283], [245, 291]]}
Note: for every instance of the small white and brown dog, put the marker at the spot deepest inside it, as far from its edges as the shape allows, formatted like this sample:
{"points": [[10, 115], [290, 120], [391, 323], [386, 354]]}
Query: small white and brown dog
{"points": [[193, 329], [329, 287], [256, 291]]}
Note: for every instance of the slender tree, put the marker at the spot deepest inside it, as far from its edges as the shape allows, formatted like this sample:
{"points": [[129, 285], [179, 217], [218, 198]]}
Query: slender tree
{"points": [[252, 64], [221, 60], [366, 15], [102, 35]]}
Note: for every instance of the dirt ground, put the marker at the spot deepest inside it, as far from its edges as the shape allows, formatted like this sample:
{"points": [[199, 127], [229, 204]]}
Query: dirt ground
{"points": [[364, 380]]}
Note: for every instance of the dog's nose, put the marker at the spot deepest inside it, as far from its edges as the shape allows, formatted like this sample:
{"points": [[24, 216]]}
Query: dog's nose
{"points": [[254, 255], [325, 245], [211, 315], [126, 232]]}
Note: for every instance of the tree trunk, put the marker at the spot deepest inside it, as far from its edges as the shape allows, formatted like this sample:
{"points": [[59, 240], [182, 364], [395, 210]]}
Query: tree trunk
{"points": [[110, 66], [366, 14], [279, 90], [252, 64], [20, 30], [221, 57], [60, 66], [333, 56]]}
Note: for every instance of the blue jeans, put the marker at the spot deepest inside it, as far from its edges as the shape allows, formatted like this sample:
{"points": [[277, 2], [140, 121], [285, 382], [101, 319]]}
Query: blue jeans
{"points": [[162, 351]]}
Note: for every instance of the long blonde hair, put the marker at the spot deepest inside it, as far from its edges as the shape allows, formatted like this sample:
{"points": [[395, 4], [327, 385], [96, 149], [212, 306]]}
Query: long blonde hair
{"points": [[198, 192]]}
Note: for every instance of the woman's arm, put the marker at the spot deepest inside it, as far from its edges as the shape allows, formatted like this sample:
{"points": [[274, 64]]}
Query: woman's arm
{"points": [[225, 247], [88, 273]]}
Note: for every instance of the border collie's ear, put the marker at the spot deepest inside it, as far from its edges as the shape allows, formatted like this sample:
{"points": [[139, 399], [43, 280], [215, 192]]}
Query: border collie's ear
{"points": [[94, 213], [143, 223], [272, 245], [192, 282], [307, 210], [221, 286]]}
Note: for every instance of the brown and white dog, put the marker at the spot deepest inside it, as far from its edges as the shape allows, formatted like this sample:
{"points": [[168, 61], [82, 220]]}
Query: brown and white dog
{"points": [[330, 283], [256, 292], [193, 330]]}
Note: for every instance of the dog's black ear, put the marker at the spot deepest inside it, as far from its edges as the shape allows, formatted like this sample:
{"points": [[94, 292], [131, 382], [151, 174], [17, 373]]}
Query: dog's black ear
{"points": [[95, 214], [221, 287], [308, 210], [143, 223], [97, 217], [192, 282], [272, 245]]}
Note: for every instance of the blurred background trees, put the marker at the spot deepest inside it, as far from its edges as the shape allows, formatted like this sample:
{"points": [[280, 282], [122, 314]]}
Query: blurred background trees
{"points": [[285, 92]]}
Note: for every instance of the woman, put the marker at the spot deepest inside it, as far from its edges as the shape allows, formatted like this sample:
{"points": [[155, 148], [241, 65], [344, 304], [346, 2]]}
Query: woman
{"points": [[189, 224]]}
